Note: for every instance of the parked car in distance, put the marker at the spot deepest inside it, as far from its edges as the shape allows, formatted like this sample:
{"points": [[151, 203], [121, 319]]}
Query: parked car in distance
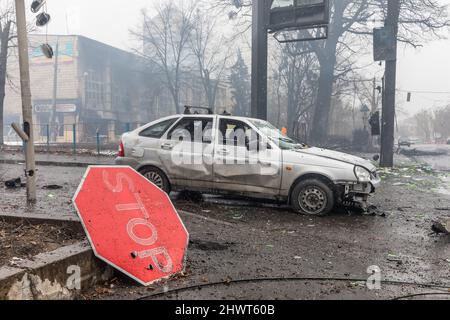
{"points": [[259, 162], [408, 142], [448, 140]]}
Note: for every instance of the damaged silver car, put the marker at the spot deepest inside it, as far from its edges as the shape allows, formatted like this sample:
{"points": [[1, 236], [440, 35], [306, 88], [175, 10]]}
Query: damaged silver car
{"points": [[249, 157]]}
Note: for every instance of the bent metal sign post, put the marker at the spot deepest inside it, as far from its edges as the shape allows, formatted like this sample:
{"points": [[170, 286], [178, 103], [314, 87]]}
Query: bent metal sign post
{"points": [[131, 224]]}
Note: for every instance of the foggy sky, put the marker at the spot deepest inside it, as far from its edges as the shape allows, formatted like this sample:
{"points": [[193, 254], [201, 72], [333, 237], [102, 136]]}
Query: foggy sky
{"points": [[109, 21]]}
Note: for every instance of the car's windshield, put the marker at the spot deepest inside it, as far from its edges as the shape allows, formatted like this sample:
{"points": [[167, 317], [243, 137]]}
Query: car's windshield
{"points": [[274, 134]]}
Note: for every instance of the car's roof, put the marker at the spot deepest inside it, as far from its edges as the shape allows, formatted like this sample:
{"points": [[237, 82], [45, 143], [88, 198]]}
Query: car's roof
{"points": [[215, 115]]}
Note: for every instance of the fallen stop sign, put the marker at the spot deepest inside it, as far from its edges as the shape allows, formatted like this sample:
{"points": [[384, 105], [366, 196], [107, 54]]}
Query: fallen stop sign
{"points": [[131, 224]]}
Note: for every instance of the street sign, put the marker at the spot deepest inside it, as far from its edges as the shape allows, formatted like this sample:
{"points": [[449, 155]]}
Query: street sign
{"points": [[302, 14], [301, 34], [131, 224], [60, 108], [384, 44]]}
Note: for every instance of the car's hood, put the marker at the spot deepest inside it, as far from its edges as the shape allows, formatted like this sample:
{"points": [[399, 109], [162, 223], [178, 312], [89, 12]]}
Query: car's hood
{"points": [[339, 156]]}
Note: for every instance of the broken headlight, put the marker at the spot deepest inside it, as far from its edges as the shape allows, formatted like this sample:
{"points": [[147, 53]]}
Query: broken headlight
{"points": [[362, 174]]}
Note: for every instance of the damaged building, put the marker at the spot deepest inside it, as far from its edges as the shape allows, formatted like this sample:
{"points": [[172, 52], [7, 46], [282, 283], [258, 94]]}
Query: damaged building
{"points": [[93, 87]]}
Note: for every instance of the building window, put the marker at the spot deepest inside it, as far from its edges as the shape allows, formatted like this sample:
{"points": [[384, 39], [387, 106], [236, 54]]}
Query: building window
{"points": [[95, 89]]}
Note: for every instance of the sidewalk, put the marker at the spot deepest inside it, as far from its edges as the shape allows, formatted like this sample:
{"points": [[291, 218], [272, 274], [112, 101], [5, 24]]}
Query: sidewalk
{"points": [[59, 160]]}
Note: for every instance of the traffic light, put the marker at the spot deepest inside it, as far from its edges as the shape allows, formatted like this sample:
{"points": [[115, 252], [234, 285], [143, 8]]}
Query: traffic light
{"points": [[42, 19], [408, 97], [37, 5], [375, 124]]}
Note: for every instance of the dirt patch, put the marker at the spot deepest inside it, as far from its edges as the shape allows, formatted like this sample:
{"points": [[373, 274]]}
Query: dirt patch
{"points": [[24, 241]]}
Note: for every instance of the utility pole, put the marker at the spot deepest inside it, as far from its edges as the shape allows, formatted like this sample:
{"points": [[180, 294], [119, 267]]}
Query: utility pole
{"points": [[388, 121], [260, 13], [27, 111]]}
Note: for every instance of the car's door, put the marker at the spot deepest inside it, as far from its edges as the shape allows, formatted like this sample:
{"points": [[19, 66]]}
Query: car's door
{"points": [[186, 151], [146, 142], [242, 165]]}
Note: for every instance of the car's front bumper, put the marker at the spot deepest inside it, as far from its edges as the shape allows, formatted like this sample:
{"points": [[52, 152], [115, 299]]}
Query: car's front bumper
{"points": [[375, 180], [357, 193]]}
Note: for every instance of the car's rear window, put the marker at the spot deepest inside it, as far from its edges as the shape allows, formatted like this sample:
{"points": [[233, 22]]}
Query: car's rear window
{"points": [[157, 130]]}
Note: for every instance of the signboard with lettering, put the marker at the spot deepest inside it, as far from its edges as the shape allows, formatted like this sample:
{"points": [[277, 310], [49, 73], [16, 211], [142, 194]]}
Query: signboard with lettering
{"points": [[131, 224], [61, 108], [301, 14]]}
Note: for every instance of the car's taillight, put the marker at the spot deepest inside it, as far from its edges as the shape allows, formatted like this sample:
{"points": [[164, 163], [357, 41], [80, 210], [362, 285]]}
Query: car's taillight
{"points": [[121, 150]]}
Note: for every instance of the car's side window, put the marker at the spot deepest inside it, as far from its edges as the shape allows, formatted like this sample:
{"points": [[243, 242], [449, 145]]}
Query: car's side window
{"points": [[234, 132], [157, 131], [193, 130]]}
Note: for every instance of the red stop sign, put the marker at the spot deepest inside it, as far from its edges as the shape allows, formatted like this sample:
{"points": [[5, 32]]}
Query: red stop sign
{"points": [[131, 224]]}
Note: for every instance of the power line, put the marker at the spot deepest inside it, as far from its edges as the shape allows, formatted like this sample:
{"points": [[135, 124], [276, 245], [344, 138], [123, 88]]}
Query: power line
{"points": [[425, 92]]}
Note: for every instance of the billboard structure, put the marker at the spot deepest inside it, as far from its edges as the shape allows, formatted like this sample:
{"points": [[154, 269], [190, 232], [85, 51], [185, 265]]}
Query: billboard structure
{"points": [[288, 21], [302, 20]]}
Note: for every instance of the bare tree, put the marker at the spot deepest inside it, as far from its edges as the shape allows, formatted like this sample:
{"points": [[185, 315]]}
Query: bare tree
{"points": [[296, 70], [345, 14], [211, 54], [7, 36], [350, 29], [441, 121], [240, 86], [420, 21], [424, 121], [165, 38]]}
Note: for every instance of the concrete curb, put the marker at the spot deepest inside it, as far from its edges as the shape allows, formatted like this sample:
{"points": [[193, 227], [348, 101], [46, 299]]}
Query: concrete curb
{"points": [[61, 274], [52, 163], [71, 222]]}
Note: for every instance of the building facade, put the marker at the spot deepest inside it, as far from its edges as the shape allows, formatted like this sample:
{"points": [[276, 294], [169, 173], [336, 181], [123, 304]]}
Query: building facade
{"points": [[91, 87]]}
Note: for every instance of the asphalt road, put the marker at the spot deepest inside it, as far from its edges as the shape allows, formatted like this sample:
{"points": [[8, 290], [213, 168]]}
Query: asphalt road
{"points": [[244, 239]]}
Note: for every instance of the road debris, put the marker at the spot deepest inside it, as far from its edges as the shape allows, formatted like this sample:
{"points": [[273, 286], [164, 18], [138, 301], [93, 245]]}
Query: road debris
{"points": [[374, 211], [15, 261], [441, 227], [190, 196], [52, 187], [15, 184]]}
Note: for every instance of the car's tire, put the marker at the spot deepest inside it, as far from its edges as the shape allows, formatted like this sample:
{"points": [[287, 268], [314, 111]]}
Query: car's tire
{"points": [[312, 197], [157, 177]]}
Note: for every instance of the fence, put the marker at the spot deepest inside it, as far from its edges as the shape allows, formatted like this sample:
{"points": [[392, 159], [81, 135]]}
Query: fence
{"points": [[79, 137]]}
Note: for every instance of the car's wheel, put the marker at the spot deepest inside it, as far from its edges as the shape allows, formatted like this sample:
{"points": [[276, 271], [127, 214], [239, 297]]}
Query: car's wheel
{"points": [[312, 197], [157, 177]]}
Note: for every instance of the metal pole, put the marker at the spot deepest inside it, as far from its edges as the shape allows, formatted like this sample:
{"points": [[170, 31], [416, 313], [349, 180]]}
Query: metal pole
{"points": [[374, 108], [55, 91], [388, 122], [74, 130], [98, 142], [48, 138], [27, 111], [260, 12]]}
